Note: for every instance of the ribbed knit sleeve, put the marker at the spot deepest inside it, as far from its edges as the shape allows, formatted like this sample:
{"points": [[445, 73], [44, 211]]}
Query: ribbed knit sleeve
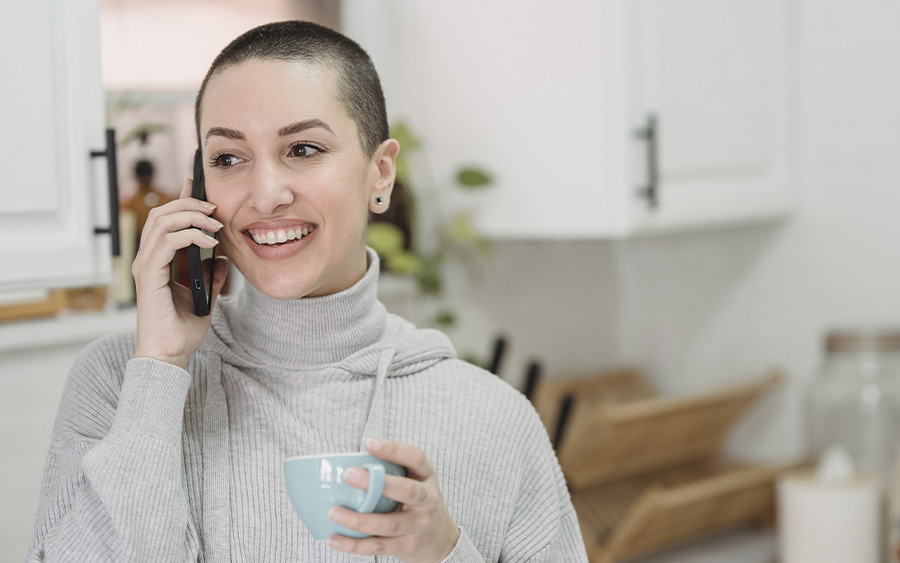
{"points": [[543, 530], [544, 526], [501, 478], [113, 481]]}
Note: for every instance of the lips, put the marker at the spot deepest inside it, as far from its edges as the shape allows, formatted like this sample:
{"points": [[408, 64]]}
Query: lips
{"points": [[279, 236], [277, 240]]}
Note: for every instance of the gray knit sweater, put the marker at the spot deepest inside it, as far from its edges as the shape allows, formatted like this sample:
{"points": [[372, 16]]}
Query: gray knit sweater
{"points": [[149, 462]]}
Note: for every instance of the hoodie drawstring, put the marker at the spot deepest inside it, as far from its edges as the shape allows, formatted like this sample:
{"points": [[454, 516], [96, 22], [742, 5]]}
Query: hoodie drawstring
{"points": [[375, 421], [216, 464]]}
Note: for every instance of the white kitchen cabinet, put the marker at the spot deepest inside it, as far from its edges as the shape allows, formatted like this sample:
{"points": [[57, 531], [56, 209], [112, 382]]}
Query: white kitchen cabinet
{"points": [[551, 96], [35, 359], [53, 194]]}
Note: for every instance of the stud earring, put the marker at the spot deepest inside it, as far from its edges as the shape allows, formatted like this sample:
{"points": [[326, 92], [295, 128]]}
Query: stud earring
{"points": [[379, 200]]}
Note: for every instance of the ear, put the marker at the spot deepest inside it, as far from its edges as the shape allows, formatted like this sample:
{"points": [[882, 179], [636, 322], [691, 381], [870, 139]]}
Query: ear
{"points": [[384, 171]]}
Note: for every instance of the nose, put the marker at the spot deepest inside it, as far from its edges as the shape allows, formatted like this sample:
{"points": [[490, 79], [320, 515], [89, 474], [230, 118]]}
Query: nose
{"points": [[270, 188]]}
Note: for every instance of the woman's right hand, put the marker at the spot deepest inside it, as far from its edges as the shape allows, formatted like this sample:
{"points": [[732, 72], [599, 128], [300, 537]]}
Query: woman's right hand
{"points": [[167, 327]]}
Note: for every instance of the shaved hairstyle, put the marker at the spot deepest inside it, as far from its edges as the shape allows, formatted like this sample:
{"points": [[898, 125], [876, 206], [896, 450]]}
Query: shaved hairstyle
{"points": [[359, 89]]}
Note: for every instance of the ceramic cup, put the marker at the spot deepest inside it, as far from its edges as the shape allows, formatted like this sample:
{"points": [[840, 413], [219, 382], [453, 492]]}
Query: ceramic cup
{"points": [[315, 484]]}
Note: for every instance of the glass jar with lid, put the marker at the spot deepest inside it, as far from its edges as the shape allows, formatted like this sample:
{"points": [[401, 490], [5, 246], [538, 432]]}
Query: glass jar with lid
{"points": [[854, 403]]}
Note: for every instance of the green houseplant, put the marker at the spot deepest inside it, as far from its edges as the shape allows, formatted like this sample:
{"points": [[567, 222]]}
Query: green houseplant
{"points": [[417, 237]]}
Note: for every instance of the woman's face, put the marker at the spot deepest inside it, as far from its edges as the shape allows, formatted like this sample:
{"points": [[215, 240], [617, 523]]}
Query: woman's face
{"points": [[284, 165]]}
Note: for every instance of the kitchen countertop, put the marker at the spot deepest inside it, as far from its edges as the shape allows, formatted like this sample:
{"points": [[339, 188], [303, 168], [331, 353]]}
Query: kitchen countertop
{"points": [[69, 327], [738, 546]]}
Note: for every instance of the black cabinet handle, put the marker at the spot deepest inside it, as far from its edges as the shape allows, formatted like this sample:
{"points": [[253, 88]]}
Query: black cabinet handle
{"points": [[112, 174], [650, 134]]}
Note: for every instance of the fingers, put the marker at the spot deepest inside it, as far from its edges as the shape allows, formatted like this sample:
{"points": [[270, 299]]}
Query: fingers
{"points": [[405, 536], [388, 525], [168, 229], [422, 530], [396, 534], [417, 464], [180, 214], [177, 216], [407, 492], [161, 250], [186, 189]]}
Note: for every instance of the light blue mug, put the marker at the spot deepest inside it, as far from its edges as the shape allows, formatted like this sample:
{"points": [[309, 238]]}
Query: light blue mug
{"points": [[315, 484]]}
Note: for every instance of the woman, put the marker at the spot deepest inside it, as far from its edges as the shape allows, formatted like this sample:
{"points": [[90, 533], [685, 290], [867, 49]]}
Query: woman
{"points": [[169, 441]]}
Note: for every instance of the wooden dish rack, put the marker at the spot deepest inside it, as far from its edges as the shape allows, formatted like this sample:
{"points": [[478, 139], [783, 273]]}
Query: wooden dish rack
{"points": [[644, 471]]}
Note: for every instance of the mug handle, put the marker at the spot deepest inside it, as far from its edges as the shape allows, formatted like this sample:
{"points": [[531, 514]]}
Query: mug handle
{"points": [[376, 487]]}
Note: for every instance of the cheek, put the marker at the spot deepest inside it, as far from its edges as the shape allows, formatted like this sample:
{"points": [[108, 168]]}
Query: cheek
{"points": [[226, 204], [344, 192]]}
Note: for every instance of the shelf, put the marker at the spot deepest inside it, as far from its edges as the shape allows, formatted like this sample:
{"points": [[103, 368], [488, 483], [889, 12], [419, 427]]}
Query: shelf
{"points": [[70, 327]]}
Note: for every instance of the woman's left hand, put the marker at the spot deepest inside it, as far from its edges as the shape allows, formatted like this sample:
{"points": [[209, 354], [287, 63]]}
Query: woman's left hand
{"points": [[421, 530]]}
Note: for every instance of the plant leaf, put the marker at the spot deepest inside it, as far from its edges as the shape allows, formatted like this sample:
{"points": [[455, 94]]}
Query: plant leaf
{"points": [[409, 144], [473, 178], [445, 318], [461, 229], [404, 135], [429, 277], [385, 238], [405, 263]]}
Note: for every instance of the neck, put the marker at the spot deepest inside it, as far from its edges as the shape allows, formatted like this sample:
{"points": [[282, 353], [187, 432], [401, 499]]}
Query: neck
{"points": [[307, 332]]}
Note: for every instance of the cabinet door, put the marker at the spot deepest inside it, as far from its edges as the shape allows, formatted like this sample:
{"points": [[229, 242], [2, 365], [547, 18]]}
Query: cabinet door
{"points": [[713, 73], [52, 195], [516, 87]]}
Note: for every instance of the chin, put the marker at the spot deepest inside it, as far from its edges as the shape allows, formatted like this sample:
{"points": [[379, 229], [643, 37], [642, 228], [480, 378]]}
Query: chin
{"points": [[282, 286]]}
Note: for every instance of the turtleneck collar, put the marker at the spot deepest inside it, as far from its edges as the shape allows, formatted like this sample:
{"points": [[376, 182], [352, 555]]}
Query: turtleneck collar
{"points": [[300, 333]]}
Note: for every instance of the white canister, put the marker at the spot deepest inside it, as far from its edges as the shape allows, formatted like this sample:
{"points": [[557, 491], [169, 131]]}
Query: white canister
{"points": [[829, 516]]}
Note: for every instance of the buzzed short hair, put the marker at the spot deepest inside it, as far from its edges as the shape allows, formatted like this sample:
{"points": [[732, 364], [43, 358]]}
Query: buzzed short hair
{"points": [[359, 89]]}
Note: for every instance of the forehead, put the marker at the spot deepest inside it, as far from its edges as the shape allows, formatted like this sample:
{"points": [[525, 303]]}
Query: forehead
{"points": [[267, 94]]}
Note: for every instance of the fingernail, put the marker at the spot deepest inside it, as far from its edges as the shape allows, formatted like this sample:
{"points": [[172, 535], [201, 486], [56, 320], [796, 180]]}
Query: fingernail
{"points": [[215, 222], [337, 516], [213, 239], [353, 474], [208, 205], [374, 444]]}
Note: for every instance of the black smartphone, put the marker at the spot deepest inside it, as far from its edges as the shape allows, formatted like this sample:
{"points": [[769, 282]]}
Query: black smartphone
{"points": [[201, 288]]}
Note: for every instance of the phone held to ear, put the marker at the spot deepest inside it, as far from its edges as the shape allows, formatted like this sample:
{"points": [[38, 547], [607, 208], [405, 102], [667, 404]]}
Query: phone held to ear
{"points": [[201, 288]]}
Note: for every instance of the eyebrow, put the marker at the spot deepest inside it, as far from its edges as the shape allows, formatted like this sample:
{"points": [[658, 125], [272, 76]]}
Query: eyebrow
{"points": [[224, 132], [303, 126], [283, 132]]}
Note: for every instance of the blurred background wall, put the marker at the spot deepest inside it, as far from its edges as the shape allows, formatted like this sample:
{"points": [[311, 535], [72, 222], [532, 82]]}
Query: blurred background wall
{"points": [[701, 308]]}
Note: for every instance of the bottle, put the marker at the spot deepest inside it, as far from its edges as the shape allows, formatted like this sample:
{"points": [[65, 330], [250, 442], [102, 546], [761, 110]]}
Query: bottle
{"points": [[148, 194], [133, 216], [854, 404]]}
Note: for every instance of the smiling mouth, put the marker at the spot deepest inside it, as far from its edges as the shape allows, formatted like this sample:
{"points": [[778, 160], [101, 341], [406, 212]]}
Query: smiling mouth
{"points": [[277, 237]]}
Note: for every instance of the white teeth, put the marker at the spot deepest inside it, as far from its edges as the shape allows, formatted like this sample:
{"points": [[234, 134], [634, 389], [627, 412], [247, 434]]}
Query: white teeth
{"points": [[279, 236]]}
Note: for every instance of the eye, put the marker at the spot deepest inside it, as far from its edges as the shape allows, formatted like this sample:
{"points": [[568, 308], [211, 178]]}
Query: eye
{"points": [[305, 150], [223, 160]]}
